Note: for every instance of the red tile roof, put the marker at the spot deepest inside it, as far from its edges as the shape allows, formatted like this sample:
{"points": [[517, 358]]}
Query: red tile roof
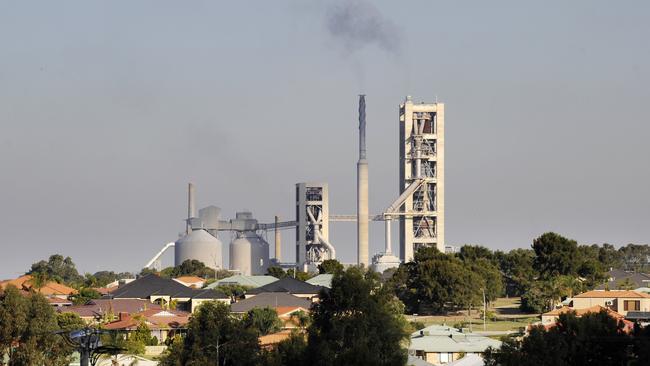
{"points": [[612, 293]]}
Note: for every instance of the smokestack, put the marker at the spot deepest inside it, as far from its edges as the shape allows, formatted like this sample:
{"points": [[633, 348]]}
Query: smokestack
{"points": [[362, 188], [191, 209], [278, 241]]}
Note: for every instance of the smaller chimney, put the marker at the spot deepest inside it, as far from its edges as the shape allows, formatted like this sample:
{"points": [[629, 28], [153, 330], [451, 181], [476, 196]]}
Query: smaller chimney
{"points": [[278, 241], [191, 209], [124, 315]]}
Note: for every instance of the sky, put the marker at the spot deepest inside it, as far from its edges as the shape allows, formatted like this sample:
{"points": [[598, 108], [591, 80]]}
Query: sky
{"points": [[108, 109]]}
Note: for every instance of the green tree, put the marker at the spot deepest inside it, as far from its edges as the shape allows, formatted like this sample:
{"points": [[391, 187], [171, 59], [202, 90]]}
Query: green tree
{"points": [[555, 255], [263, 320], [215, 337], [593, 339], [330, 266], [192, 267], [357, 322], [474, 252], [289, 352], [276, 272], [85, 294], [59, 269], [28, 327], [516, 267], [299, 275]]}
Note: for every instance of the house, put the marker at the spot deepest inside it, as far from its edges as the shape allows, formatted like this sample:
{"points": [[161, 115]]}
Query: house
{"points": [[245, 281], [271, 340], [440, 344], [620, 301], [550, 319], [107, 310], [291, 286], [624, 280], [271, 300], [56, 293], [323, 279], [190, 281], [162, 323], [163, 291]]}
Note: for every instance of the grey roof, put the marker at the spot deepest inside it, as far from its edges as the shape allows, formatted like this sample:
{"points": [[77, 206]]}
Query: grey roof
{"points": [[416, 361], [324, 279], [269, 299], [440, 338], [242, 280], [289, 285], [99, 307], [153, 285], [617, 276], [210, 294], [637, 315]]}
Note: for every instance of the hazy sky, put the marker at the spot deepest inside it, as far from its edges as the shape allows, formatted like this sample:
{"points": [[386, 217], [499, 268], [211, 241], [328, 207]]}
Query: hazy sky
{"points": [[108, 109]]}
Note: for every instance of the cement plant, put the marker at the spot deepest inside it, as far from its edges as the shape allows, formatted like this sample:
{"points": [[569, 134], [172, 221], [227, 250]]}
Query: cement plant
{"points": [[418, 210]]}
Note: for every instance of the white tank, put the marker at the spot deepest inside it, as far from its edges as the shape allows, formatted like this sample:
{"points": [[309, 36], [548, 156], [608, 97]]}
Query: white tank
{"points": [[249, 254], [199, 245]]}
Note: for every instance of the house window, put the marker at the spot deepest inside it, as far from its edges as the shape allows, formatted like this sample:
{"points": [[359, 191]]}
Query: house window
{"points": [[446, 357], [632, 305]]}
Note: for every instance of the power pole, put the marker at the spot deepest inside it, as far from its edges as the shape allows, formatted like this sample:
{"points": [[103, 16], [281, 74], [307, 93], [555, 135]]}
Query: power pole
{"points": [[484, 312]]}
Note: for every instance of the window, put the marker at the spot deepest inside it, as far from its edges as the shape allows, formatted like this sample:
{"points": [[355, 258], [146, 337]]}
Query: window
{"points": [[445, 357], [631, 305]]}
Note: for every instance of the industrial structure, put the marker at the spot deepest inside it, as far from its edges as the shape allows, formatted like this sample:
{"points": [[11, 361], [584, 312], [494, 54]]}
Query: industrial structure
{"points": [[422, 176], [419, 209]]}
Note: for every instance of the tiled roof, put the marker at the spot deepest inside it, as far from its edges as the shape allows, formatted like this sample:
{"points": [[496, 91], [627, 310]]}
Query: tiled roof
{"points": [[270, 299], [155, 319], [612, 294], [153, 285], [447, 339], [50, 288], [619, 277], [581, 312], [288, 285], [99, 307]]}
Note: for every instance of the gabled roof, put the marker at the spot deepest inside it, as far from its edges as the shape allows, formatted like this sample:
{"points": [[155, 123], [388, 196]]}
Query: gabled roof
{"points": [[288, 285], [324, 279], [447, 339], [270, 299], [153, 285], [99, 307], [581, 312], [50, 288], [210, 294], [618, 277], [154, 318], [190, 281], [242, 280], [611, 294]]}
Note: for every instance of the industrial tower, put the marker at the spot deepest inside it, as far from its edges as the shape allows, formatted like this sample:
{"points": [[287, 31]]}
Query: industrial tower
{"points": [[421, 176]]}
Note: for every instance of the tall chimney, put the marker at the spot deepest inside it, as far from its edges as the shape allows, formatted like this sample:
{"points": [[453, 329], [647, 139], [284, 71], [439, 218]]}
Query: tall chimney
{"points": [[191, 209], [278, 241], [362, 188]]}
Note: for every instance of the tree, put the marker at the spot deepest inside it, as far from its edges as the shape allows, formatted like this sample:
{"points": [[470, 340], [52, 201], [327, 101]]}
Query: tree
{"points": [[330, 266], [289, 352], [215, 337], [357, 322], [192, 267], [276, 272], [635, 257], [263, 320], [85, 294], [516, 267], [299, 275], [27, 330], [593, 339], [555, 255], [59, 269], [474, 252], [103, 278]]}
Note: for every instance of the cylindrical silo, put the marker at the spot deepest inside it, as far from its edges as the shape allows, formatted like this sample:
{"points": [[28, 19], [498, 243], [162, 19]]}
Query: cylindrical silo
{"points": [[249, 254], [199, 245]]}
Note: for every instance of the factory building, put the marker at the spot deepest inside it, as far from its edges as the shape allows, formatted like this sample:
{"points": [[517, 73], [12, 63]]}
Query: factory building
{"points": [[312, 225], [421, 176]]}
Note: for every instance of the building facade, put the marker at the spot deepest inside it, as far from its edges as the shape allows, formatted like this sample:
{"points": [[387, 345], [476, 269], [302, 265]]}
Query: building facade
{"points": [[422, 168]]}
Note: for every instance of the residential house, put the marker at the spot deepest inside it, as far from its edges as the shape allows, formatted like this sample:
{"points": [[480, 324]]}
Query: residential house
{"points": [[107, 310], [620, 301], [323, 279], [624, 280], [57, 294], [271, 300], [291, 286], [439, 344], [550, 318], [162, 323], [246, 281], [165, 291]]}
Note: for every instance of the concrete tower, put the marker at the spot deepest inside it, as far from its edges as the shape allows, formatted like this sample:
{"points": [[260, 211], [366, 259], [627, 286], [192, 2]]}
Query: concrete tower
{"points": [[362, 188], [422, 175], [312, 231]]}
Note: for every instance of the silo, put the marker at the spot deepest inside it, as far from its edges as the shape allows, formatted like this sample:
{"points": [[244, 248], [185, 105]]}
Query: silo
{"points": [[199, 245], [249, 254]]}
